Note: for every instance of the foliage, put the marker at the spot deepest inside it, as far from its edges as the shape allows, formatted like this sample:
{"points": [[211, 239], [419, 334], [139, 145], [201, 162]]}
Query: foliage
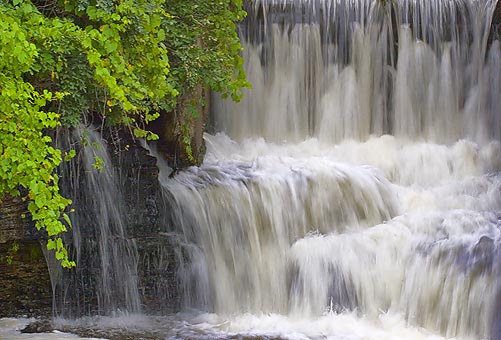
{"points": [[204, 46], [121, 60], [28, 160]]}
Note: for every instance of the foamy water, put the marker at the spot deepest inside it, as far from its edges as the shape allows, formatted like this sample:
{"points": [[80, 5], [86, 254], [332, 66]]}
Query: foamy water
{"points": [[349, 241], [378, 231], [332, 326]]}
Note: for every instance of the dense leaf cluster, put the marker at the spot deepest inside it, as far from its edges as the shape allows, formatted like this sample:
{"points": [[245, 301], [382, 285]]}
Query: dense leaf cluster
{"points": [[123, 60]]}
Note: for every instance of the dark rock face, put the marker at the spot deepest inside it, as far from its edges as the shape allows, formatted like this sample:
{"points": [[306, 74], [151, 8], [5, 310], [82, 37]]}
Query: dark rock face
{"points": [[39, 326], [157, 276], [12, 226], [496, 24], [25, 287], [147, 224], [24, 280], [173, 127]]}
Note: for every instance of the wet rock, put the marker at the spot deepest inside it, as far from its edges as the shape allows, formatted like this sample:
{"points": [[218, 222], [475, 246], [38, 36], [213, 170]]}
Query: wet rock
{"points": [[25, 288], [112, 334], [39, 326], [157, 284], [13, 226]]}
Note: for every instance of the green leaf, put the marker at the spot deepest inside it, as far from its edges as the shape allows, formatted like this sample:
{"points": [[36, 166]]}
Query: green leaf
{"points": [[51, 244], [69, 155], [67, 219]]}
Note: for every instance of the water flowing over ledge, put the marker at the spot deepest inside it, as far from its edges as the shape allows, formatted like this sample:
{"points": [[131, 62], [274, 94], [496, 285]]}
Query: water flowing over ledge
{"points": [[349, 69], [309, 228]]}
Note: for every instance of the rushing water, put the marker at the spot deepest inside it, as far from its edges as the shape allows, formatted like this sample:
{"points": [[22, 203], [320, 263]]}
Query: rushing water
{"points": [[348, 69], [358, 179], [354, 193], [382, 228]]}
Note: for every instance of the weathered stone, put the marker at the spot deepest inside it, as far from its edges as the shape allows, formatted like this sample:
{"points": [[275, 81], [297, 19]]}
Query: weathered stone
{"points": [[25, 287], [39, 326], [144, 201], [157, 275], [496, 23], [12, 225], [172, 127], [24, 279]]}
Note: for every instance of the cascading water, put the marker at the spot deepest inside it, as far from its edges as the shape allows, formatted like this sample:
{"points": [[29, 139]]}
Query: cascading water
{"points": [[105, 280], [358, 182], [353, 68]]}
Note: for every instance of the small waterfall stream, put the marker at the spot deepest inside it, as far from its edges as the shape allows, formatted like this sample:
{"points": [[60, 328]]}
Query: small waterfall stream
{"points": [[105, 280]]}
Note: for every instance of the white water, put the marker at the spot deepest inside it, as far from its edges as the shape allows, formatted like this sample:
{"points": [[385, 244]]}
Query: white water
{"points": [[347, 69], [212, 326], [378, 229], [318, 241]]}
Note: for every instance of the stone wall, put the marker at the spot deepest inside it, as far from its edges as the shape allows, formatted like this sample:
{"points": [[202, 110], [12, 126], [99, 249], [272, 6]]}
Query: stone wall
{"points": [[25, 287], [12, 226], [147, 225]]}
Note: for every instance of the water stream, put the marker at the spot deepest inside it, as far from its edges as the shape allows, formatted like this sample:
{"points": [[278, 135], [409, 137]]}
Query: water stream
{"points": [[105, 280]]}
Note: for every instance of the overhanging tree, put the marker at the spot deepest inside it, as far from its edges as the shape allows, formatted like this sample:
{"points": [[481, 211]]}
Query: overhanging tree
{"points": [[122, 60]]}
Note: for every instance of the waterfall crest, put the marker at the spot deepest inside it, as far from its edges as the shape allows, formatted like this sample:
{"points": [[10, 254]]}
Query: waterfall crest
{"points": [[350, 69]]}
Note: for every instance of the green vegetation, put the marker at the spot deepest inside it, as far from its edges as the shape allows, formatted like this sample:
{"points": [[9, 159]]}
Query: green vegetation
{"points": [[125, 61], [11, 252]]}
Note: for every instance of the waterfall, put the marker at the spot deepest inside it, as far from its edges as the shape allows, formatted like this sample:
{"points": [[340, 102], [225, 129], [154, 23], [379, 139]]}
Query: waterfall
{"points": [[105, 280], [350, 69], [359, 177]]}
